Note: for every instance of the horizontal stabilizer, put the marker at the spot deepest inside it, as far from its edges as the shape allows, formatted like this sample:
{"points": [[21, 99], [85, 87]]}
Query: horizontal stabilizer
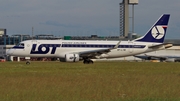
{"points": [[161, 46]]}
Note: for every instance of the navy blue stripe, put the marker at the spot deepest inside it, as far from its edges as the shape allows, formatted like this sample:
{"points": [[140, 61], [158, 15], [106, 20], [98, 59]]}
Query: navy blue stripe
{"points": [[90, 46], [101, 46]]}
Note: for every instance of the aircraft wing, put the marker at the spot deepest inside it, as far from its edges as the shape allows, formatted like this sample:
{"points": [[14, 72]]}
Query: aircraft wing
{"points": [[98, 52], [94, 53]]}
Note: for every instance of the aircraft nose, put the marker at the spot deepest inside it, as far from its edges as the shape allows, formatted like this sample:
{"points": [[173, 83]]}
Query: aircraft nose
{"points": [[10, 52]]}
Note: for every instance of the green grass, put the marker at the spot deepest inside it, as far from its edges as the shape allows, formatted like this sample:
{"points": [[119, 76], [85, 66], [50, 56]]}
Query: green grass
{"points": [[101, 81]]}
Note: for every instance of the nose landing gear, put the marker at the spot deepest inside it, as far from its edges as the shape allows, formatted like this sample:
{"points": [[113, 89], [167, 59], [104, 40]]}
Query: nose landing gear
{"points": [[28, 62]]}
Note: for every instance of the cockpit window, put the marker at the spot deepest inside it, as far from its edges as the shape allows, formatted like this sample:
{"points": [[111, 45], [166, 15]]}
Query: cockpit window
{"points": [[20, 44]]}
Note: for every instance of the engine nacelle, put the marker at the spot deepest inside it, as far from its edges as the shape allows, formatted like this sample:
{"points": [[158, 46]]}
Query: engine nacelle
{"points": [[71, 57]]}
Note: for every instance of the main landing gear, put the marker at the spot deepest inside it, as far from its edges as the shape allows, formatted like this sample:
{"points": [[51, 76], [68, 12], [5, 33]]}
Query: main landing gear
{"points": [[87, 61]]}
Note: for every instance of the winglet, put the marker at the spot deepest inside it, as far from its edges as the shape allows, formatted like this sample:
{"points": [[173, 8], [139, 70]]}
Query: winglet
{"points": [[115, 47]]}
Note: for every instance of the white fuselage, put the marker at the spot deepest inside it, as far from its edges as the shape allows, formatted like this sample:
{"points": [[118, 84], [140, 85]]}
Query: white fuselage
{"points": [[58, 48]]}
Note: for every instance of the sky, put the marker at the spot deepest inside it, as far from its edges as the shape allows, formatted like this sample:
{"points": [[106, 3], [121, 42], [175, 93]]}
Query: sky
{"points": [[83, 17]]}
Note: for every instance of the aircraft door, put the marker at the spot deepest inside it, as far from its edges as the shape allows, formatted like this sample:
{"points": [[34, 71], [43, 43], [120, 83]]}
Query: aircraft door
{"points": [[30, 45], [27, 46]]}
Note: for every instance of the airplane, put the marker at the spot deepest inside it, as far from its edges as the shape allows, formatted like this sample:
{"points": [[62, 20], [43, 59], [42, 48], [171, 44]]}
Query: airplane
{"points": [[165, 57], [86, 50]]}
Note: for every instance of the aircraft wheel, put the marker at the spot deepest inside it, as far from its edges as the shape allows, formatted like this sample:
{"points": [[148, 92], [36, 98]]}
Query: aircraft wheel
{"points": [[85, 62], [88, 61], [27, 62]]}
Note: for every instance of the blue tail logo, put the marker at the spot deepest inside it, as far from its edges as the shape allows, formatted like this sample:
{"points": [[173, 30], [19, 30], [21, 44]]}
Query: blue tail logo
{"points": [[157, 32]]}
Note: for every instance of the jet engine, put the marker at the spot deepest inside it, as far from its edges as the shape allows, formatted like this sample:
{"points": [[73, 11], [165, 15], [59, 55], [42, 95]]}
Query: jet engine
{"points": [[71, 57]]}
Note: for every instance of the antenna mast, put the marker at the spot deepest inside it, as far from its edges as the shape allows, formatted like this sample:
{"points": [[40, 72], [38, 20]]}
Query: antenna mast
{"points": [[32, 32]]}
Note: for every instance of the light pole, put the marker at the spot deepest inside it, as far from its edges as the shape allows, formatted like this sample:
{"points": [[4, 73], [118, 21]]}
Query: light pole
{"points": [[133, 2]]}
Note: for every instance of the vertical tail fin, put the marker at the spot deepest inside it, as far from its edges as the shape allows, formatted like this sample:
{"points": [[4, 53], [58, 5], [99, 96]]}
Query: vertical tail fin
{"points": [[157, 32]]}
